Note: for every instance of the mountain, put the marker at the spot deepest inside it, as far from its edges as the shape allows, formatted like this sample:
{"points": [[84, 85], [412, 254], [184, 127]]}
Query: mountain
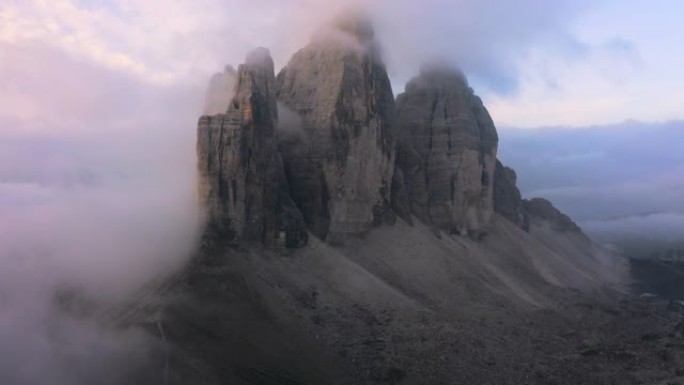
{"points": [[447, 151], [243, 188], [340, 162], [507, 198], [352, 238]]}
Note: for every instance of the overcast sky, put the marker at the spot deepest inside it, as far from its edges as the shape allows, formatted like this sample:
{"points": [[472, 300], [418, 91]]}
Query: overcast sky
{"points": [[535, 62]]}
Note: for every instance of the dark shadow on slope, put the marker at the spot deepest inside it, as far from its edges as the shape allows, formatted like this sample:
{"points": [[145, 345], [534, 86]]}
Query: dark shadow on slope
{"points": [[224, 332]]}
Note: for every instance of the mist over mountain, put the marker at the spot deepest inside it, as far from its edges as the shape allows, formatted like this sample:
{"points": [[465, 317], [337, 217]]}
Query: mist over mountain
{"points": [[97, 199]]}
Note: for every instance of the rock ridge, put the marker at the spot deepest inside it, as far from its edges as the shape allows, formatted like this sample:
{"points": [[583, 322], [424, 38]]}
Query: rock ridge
{"points": [[509, 203], [323, 147], [341, 165]]}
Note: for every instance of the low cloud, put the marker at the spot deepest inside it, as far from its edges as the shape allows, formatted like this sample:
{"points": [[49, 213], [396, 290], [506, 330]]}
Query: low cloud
{"points": [[289, 122], [97, 198], [618, 181], [666, 227], [98, 240]]}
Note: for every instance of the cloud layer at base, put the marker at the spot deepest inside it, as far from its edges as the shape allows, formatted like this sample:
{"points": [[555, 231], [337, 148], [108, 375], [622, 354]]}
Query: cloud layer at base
{"points": [[97, 198], [621, 180]]}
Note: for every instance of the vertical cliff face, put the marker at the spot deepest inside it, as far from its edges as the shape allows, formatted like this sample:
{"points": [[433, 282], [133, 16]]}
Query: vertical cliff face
{"points": [[447, 151], [243, 189], [507, 199], [340, 163], [316, 148]]}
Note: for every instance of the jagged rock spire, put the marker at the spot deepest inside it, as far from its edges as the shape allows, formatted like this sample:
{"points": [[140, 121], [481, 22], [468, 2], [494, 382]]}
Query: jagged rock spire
{"points": [[507, 199], [447, 150], [243, 189], [340, 168]]}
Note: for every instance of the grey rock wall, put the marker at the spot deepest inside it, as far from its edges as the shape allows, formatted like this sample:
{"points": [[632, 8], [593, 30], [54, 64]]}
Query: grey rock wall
{"points": [[507, 199], [323, 147], [243, 189], [340, 164], [447, 151], [542, 209]]}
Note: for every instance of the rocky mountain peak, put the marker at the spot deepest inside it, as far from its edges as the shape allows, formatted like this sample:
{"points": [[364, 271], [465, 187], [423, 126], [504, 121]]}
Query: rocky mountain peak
{"points": [[260, 57], [324, 146], [243, 189], [447, 151], [525, 213], [507, 199], [324, 149], [341, 167], [256, 84]]}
